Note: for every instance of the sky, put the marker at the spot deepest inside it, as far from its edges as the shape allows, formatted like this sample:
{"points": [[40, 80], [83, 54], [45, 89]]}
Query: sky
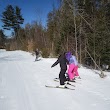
{"points": [[31, 10], [22, 85]]}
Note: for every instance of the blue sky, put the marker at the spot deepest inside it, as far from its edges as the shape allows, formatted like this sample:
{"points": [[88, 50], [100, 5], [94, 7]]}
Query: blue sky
{"points": [[31, 10]]}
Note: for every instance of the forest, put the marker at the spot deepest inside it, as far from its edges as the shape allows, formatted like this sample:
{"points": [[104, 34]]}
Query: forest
{"points": [[79, 26]]}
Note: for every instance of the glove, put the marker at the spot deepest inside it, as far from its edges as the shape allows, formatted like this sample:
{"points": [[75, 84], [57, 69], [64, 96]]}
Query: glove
{"points": [[51, 66]]}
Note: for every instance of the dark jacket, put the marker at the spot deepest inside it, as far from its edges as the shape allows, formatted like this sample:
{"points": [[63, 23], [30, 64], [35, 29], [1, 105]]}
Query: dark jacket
{"points": [[37, 52], [62, 61]]}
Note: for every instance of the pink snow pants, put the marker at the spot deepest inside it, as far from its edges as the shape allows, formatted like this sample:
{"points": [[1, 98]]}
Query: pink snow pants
{"points": [[71, 71], [76, 71]]}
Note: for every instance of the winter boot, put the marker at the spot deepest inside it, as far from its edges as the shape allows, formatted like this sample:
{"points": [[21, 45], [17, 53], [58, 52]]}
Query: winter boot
{"points": [[62, 86]]}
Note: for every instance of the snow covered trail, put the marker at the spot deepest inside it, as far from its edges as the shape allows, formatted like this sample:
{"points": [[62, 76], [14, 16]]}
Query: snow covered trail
{"points": [[22, 86]]}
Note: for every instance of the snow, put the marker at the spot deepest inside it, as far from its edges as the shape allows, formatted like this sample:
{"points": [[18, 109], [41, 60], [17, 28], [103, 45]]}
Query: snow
{"points": [[22, 85]]}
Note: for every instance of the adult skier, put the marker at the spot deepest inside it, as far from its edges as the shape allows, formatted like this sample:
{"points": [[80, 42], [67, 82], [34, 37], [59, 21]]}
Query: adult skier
{"points": [[37, 54], [63, 67]]}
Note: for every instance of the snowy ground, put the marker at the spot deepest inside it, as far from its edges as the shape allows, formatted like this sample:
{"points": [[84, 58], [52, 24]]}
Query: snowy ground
{"points": [[22, 86]]}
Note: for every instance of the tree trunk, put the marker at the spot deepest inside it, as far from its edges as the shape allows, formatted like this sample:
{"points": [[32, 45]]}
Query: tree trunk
{"points": [[76, 52]]}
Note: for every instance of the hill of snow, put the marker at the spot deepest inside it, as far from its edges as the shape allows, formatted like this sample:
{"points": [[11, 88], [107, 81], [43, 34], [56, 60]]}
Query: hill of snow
{"points": [[22, 85]]}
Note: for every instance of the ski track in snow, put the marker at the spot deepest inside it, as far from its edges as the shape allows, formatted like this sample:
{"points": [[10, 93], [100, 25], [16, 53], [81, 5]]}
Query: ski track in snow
{"points": [[22, 86]]}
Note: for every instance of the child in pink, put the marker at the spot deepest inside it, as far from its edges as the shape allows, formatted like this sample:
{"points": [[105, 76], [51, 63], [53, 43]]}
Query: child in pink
{"points": [[73, 66]]}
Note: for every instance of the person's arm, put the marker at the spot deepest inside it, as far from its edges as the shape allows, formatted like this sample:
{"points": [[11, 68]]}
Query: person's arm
{"points": [[75, 60], [56, 62]]}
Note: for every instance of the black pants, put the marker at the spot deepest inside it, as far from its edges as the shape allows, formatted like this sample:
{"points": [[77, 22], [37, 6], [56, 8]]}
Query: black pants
{"points": [[37, 56], [62, 76]]}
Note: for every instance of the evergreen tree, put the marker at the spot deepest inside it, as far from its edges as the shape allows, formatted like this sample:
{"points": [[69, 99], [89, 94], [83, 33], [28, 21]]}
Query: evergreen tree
{"points": [[12, 18], [8, 17]]}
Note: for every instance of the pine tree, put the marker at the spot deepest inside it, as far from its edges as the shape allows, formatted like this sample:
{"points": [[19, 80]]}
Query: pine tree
{"points": [[12, 18], [8, 17]]}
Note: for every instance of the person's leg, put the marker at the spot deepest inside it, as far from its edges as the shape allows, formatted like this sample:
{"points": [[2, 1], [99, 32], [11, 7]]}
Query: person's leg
{"points": [[36, 58], [70, 71], [62, 76], [76, 71]]}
